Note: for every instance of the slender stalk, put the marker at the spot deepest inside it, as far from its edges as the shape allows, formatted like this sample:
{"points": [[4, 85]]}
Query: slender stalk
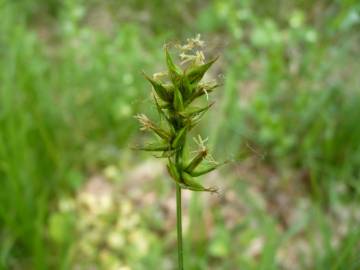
{"points": [[179, 227]]}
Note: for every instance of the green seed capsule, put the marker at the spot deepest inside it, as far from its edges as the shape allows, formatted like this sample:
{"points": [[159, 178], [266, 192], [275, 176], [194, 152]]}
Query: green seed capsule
{"points": [[195, 74], [193, 111], [162, 113], [191, 184], [160, 90], [162, 133], [178, 100], [147, 124], [200, 91], [206, 170], [185, 87], [173, 172], [196, 160]]}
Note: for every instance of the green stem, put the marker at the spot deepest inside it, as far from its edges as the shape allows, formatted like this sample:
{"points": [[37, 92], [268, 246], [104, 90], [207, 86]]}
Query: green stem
{"points": [[179, 227]]}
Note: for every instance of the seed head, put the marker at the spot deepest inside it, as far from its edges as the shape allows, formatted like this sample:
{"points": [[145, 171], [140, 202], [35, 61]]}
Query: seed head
{"points": [[174, 104]]}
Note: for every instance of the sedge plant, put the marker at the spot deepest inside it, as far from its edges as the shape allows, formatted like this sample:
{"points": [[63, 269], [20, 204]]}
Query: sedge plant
{"points": [[177, 94]]}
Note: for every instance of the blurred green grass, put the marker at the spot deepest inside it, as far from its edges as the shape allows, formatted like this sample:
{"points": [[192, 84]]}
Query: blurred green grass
{"points": [[70, 81]]}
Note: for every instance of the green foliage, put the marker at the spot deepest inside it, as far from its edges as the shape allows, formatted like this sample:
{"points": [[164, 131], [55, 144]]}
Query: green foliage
{"points": [[50, 101], [293, 94], [70, 81]]}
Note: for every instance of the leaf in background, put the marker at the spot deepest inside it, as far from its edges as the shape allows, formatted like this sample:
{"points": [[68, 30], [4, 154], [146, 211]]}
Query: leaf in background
{"points": [[220, 244]]}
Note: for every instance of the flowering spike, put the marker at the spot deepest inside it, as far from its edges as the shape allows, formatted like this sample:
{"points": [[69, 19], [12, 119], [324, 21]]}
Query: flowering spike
{"points": [[173, 102]]}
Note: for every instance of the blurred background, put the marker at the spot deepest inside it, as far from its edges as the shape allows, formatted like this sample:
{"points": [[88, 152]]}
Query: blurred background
{"points": [[74, 196]]}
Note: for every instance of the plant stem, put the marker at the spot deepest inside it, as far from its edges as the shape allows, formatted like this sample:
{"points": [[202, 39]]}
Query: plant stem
{"points": [[179, 227]]}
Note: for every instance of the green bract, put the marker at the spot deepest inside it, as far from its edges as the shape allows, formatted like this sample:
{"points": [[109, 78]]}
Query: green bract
{"points": [[174, 104]]}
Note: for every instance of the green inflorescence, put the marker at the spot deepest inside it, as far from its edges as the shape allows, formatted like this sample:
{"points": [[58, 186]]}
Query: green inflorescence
{"points": [[174, 94]]}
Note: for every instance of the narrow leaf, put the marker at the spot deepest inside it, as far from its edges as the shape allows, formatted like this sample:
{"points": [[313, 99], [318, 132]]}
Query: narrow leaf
{"points": [[153, 147]]}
